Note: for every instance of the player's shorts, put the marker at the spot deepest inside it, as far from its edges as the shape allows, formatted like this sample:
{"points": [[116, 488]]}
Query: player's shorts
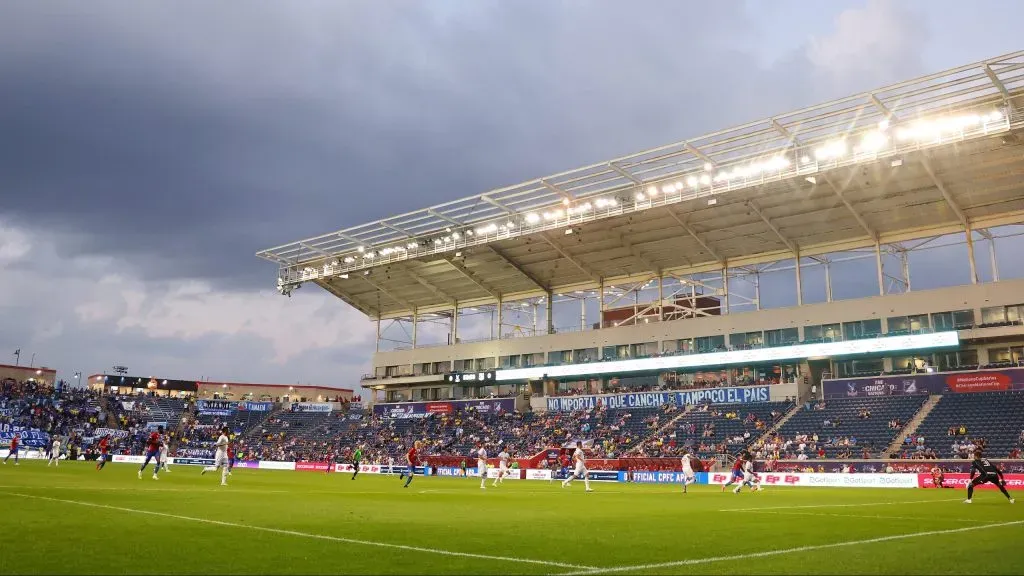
{"points": [[581, 469], [481, 467], [503, 469], [221, 460], [689, 475], [152, 454], [986, 479], [737, 475]]}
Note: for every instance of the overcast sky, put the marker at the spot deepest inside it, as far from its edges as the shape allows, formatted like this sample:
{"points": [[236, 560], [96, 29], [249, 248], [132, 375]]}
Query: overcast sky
{"points": [[148, 150]]}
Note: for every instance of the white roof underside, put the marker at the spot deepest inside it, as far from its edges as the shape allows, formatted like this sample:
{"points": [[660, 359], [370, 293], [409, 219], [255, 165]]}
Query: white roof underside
{"points": [[974, 178]]}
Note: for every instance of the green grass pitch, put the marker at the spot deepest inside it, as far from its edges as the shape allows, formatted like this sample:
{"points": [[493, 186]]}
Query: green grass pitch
{"points": [[74, 520]]}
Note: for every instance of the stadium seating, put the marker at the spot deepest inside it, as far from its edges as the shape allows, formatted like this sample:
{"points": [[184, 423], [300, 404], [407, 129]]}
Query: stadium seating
{"points": [[720, 428], [841, 419], [995, 418]]}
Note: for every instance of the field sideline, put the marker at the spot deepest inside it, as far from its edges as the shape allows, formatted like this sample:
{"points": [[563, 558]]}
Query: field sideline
{"points": [[76, 520]]}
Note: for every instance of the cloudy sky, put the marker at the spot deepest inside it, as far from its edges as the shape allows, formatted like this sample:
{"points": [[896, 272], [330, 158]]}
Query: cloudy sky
{"points": [[148, 150]]}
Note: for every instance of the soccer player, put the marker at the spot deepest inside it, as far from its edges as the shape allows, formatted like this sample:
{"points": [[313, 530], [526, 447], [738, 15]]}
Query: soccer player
{"points": [[104, 450], [462, 466], [391, 465], [164, 447], [413, 458], [231, 456], [938, 478], [357, 456], [15, 443], [749, 477], [688, 476], [737, 472], [987, 472], [220, 459], [54, 453], [481, 464], [581, 468], [503, 458], [153, 444]]}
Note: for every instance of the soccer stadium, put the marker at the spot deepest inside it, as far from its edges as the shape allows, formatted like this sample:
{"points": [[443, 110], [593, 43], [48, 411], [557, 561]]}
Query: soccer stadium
{"points": [[782, 347]]}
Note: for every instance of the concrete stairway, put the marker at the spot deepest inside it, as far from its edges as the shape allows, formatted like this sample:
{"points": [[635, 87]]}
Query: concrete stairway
{"points": [[639, 446], [911, 427]]}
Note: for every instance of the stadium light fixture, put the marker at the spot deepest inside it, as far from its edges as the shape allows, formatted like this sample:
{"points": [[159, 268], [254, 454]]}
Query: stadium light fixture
{"points": [[708, 167], [692, 181], [705, 179], [639, 196], [532, 218], [361, 249]]}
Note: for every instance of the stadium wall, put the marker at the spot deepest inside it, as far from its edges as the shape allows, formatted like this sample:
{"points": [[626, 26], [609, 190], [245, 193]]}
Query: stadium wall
{"points": [[978, 296]]}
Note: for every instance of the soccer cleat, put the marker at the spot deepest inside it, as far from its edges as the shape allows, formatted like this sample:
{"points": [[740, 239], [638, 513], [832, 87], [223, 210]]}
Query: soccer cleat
{"points": [[140, 474], [202, 472], [968, 501], [590, 490], [155, 477], [223, 483], [1012, 501]]}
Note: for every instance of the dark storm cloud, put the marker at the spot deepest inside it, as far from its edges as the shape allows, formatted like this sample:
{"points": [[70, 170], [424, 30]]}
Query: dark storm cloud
{"points": [[187, 139]]}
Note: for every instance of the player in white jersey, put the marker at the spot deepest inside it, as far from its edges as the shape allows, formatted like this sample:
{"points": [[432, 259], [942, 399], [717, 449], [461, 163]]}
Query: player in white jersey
{"points": [[391, 465], [688, 476], [503, 458], [749, 478], [580, 459], [54, 453], [481, 464], [164, 460], [220, 459]]}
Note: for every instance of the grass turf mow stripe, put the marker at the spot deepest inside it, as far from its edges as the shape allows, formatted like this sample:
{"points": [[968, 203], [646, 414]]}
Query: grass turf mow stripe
{"points": [[752, 555], [307, 535]]}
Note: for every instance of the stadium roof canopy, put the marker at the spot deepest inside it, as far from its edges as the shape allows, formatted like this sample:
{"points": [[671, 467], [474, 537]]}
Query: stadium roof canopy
{"points": [[939, 154]]}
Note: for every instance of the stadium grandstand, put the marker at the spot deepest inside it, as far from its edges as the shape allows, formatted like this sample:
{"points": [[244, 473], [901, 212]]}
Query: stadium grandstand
{"points": [[763, 280]]}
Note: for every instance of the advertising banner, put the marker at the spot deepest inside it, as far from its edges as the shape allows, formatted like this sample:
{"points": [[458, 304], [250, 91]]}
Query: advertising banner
{"points": [[29, 438], [215, 407], [311, 407], [256, 406], [403, 410], [246, 464], [827, 480], [644, 477], [303, 466], [928, 383], [273, 465], [535, 474], [101, 432], [192, 461], [956, 480], [127, 459], [513, 474], [732, 395]]}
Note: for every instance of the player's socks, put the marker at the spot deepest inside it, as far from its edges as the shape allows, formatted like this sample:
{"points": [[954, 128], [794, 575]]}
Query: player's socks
{"points": [[586, 483], [408, 481]]}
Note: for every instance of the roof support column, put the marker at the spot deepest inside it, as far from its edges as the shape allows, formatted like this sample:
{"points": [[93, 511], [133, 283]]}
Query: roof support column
{"points": [[550, 303], [415, 323], [724, 304], [757, 289], [378, 332], [501, 316], [970, 254], [905, 260], [799, 281], [661, 301], [828, 281], [453, 334], [600, 305], [992, 257], [881, 273], [583, 314]]}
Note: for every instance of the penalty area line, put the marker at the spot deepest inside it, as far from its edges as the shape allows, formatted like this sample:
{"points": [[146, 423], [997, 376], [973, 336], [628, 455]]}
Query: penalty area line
{"points": [[783, 552], [310, 535]]}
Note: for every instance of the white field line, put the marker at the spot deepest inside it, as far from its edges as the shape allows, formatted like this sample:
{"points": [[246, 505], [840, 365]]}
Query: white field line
{"points": [[786, 551], [309, 535], [873, 517], [838, 505]]}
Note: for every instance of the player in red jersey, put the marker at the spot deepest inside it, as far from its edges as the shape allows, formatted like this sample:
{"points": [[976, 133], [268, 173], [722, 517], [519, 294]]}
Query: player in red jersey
{"points": [[413, 458], [153, 445], [15, 443], [737, 471], [231, 457], [939, 478], [104, 452]]}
